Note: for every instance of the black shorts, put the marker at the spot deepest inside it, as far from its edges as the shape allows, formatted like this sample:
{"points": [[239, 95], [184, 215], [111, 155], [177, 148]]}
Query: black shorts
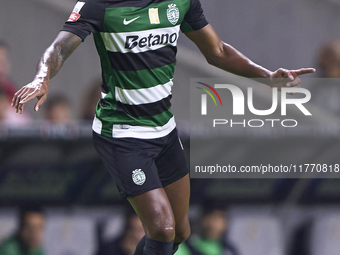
{"points": [[141, 165]]}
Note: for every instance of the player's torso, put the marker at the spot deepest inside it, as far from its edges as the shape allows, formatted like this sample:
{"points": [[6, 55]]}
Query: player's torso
{"points": [[137, 44]]}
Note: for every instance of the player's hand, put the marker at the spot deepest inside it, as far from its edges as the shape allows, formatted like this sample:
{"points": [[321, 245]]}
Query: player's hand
{"points": [[288, 78], [36, 88]]}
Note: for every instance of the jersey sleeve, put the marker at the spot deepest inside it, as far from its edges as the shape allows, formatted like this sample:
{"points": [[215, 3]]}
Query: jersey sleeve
{"points": [[194, 19], [86, 18]]}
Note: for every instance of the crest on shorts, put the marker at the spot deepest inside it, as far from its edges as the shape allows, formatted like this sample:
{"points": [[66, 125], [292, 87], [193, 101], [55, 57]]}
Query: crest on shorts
{"points": [[173, 14], [138, 177]]}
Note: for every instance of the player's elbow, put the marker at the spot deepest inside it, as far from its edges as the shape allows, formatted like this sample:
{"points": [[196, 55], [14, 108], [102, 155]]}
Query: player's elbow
{"points": [[216, 54]]}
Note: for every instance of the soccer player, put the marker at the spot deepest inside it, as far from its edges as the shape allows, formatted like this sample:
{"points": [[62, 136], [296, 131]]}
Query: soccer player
{"points": [[134, 129]]}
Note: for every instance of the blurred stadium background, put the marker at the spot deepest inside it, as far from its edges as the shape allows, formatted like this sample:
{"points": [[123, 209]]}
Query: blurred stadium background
{"points": [[56, 165]]}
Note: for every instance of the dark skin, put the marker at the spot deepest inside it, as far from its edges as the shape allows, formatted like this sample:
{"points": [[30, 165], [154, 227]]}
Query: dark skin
{"points": [[48, 67], [163, 212]]}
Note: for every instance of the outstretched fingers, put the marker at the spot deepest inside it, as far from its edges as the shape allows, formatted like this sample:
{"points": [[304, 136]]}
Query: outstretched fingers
{"points": [[18, 97], [303, 71], [40, 102], [26, 94], [295, 73], [29, 95]]}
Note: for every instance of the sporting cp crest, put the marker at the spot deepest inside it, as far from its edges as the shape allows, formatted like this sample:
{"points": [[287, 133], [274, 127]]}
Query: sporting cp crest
{"points": [[138, 177], [173, 14]]}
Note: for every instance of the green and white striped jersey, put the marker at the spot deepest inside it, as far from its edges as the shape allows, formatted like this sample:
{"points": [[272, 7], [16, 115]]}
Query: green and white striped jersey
{"points": [[136, 41]]}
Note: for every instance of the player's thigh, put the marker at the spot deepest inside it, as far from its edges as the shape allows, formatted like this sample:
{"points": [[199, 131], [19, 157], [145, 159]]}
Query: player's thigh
{"points": [[154, 210], [173, 173], [178, 194]]}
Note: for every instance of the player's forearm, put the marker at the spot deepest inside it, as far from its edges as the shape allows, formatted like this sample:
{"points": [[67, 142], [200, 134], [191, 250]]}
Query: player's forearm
{"points": [[55, 56], [231, 60], [47, 68], [50, 63]]}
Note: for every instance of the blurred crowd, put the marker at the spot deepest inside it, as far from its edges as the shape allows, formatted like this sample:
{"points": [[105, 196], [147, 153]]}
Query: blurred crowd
{"points": [[326, 95], [28, 238], [57, 109], [210, 237], [7, 90]]}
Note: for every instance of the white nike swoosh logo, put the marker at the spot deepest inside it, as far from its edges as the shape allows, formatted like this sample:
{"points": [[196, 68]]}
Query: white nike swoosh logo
{"points": [[126, 22]]}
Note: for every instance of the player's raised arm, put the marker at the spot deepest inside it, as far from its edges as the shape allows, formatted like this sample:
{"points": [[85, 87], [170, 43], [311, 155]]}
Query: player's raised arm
{"points": [[48, 66], [226, 57]]}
